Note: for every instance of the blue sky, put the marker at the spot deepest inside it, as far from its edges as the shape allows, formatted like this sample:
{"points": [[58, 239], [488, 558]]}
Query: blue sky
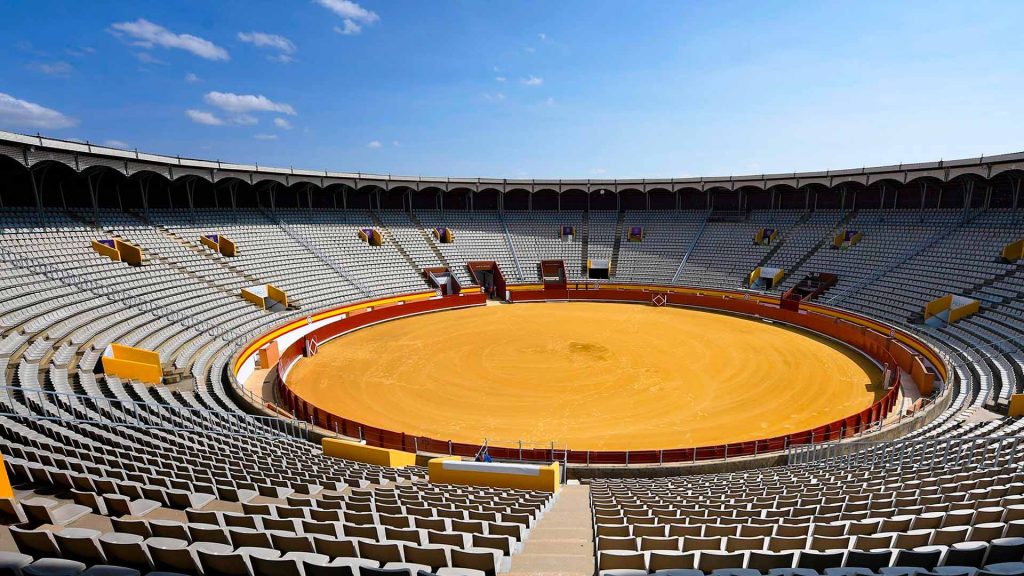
{"points": [[531, 89]]}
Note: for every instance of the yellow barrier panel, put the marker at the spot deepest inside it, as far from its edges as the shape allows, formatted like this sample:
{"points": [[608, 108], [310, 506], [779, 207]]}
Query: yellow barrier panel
{"points": [[758, 236], [856, 238], [5, 483], [227, 247], [209, 243], [754, 276], [105, 250], [938, 305], [515, 476], [135, 354], [1016, 406], [1014, 251], [254, 298], [778, 277], [132, 370], [964, 311], [837, 240], [130, 254], [367, 454], [277, 294]]}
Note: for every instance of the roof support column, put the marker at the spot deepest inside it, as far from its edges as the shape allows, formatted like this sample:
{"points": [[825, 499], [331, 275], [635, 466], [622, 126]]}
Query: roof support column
{"points": [[881, 198], [924, 193], [38, 197], [190, 188], [92, 196], [309, 198], [232, 191], [1016, 192], [144, 194], [529, 202], [807, 198]]}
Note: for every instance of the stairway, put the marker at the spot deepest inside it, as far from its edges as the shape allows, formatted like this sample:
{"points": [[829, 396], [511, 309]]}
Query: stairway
{"points": [[614, 264], [967, 217], [427, 239], [511, 246], [782, 240], [693, 246], [1014, 271], [159, 258], [585, 241], [205, 253], [562, 542], [302, 241], [820, 244], [389, 237]]}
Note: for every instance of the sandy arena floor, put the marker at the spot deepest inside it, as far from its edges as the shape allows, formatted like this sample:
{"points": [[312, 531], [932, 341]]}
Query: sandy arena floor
{"points": [[588, 376]]}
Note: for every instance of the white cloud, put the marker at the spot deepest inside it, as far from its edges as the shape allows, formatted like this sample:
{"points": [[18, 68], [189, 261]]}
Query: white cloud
{"points": [[353, 15], [265, 136], [245, 120], [395, 143], [374, 144], [542, 36], [282, 58], [550, 101], [350, 10], [147, 35], [23, 114], [533, 81], [246, 103], [115, 144], [147, 58], [496, 97], [192, 78], [282, 124], [530, 49], [350, 29], [81, 52], [264, 40], [54, 68], [500, 78], [204, 117]]}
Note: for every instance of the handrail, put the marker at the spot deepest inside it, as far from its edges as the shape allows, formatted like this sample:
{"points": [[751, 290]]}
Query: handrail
{"points": [[511, 246], [693, 246], [68, 407], [984, 451], [880, 414], [317, 252]]}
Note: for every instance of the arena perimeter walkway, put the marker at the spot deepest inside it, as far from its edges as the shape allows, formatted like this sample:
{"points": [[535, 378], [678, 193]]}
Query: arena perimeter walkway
{"points": [[588, 376]]}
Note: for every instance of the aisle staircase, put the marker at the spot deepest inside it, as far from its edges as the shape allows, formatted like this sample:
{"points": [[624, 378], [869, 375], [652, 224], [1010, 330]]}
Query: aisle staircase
{"points": [[617, 245], [584, 243], [562, 542]]}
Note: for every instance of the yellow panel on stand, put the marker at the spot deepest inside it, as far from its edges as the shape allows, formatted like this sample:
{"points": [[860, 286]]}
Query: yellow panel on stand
{"points": [[367, 454], [515, 476], [5, 483], [277, 294], [1016, 406], [135, 354], [132, 370]]}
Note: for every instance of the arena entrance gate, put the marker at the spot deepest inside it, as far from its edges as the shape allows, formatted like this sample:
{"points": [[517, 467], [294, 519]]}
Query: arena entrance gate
{"points": [[442, 279], [487, 275], [552, 273]]}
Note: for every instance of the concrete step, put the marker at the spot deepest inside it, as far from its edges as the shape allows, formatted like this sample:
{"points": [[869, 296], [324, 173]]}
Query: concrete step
{"points": [[573, 547]]}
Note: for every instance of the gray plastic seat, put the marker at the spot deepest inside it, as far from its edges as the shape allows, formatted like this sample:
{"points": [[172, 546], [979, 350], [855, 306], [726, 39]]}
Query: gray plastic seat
{"points": [[53, 567], [11, 563]]}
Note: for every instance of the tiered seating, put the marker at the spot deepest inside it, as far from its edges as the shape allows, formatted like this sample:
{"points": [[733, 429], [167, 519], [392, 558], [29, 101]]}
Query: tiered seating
{"points": [[478, 236], [814, 518], [725, 253], [667, 236], [535, 236]]}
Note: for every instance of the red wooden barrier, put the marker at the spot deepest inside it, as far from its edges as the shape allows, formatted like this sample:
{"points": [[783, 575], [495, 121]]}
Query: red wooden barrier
{"points": [[857, 331]]}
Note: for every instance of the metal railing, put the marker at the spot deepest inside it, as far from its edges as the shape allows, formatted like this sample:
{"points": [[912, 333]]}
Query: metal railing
{"points": [[113, 292], [298, 237], [982, 451], [65, 407]]}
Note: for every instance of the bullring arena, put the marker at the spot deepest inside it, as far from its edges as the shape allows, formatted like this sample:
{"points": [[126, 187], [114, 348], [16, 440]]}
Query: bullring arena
{"points": [[589, 376], [217, 368]]}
